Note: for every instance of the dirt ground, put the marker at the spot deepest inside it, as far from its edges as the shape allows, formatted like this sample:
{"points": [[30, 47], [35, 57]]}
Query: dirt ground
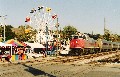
{"points": [[52, 69], [101, 66]]}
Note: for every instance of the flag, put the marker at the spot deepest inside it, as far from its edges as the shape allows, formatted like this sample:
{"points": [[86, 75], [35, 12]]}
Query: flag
{"points": [[39, 8], [54, 16], [33, 10], [27, 19], [48, 9]]}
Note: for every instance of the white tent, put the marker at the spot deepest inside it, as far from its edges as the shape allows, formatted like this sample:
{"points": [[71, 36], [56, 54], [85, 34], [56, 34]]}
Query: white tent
{"points": [[35, 45], [3, 44]]}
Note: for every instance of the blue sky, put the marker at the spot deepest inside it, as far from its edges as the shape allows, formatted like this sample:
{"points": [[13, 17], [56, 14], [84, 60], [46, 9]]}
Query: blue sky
{"points": [[85, 15]]}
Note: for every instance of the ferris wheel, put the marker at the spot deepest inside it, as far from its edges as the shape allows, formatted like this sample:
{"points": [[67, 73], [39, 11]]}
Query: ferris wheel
{"points": [[41, 17], [43, 20]]}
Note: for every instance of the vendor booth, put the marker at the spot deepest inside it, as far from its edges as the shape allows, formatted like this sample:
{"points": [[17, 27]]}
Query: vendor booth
{"points": [[5, 51], [37, 49], [18, 49]]}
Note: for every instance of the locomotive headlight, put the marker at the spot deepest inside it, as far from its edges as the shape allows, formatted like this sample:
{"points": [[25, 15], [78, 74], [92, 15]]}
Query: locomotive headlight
{"points": [[76, 42]]}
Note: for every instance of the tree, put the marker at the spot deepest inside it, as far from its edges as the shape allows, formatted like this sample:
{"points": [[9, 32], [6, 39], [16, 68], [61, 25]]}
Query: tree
{"points": [[94, 36], [119, 38], [8, 32], [110, 37], [107, 35], [68, 31], [114, 37], [24, 33], [21, 33]]}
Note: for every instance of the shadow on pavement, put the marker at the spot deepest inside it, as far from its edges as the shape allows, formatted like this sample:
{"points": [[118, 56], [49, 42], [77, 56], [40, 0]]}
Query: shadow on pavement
{"points": [[36, 72]]}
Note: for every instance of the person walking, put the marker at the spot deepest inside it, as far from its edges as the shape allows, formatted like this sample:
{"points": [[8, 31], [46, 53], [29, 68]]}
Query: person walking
{"points": [[53, 47]]}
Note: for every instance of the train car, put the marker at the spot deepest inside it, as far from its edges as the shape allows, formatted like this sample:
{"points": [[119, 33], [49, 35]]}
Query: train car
{"points": [[119, 46], [104, 45], [76, 45], [91, 45], [115, 46]]}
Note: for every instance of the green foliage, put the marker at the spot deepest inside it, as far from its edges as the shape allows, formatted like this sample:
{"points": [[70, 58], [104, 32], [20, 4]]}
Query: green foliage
{"points": [[111, 37], [114, 37], [1, 39], [68, 31], [22, 35], [119, 38], [95, 36], [8, 32], [19, 33], [106, 35]]}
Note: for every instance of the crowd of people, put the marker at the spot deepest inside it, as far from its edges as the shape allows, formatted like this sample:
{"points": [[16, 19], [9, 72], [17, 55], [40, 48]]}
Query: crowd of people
{"points": [[55, 45]]}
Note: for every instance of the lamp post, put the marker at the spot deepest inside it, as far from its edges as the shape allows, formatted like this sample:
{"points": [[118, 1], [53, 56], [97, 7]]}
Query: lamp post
{"points": [[3, 18], [57, 25], [46, 37]]}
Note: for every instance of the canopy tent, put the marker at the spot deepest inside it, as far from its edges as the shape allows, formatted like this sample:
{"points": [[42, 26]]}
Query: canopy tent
{"points": [[3, 44], [35, 45], [15, 42], [24, 44]]}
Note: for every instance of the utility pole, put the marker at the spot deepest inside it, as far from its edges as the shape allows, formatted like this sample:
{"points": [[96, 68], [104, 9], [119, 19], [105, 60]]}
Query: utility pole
{"points": [[3, 18], [104, 25], [57, 25], [46, 37]]}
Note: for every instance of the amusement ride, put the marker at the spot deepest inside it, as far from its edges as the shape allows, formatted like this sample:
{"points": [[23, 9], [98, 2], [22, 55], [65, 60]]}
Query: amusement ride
{"points": [[43, 20]]}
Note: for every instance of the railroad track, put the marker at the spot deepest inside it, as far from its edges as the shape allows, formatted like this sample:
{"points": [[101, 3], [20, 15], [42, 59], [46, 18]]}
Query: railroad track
{"points": [[70, 59]]}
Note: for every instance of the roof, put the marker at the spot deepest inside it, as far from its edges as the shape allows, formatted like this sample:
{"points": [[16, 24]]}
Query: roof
{"points": [[15, 42], [35, 45], [3, 44]]}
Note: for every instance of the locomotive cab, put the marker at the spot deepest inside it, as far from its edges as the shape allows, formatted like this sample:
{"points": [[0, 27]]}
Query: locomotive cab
{"points": [[77, 42], [83, 44]]}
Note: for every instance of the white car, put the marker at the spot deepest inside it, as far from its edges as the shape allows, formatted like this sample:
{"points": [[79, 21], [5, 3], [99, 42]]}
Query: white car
{"points": [[65, 50], [34, 55]]}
